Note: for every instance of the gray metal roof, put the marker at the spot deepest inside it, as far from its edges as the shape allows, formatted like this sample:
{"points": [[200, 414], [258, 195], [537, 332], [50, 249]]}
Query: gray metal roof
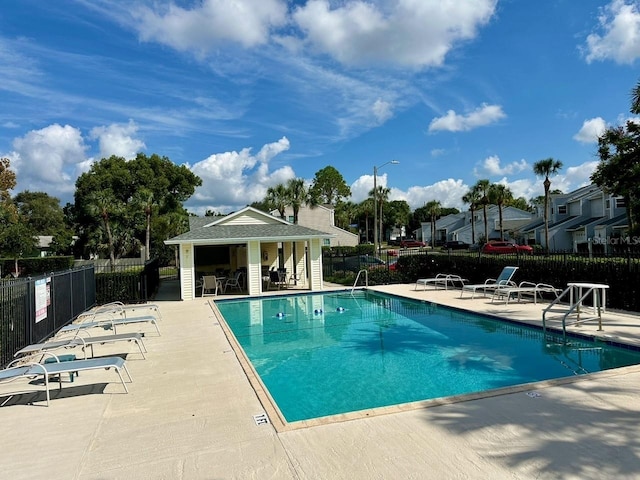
{"points": [[225, 234]]}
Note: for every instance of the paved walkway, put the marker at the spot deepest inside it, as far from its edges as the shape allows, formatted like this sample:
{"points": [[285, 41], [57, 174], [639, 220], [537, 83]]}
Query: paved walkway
{"points": [[190, 415]]}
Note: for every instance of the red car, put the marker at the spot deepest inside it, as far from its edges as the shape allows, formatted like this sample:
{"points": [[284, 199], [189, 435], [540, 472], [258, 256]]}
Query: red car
{"points": [[506, 247], [409, 243]]}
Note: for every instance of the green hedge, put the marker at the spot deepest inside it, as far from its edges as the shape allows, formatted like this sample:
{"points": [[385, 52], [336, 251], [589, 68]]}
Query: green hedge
{"points": [[30, 267]]}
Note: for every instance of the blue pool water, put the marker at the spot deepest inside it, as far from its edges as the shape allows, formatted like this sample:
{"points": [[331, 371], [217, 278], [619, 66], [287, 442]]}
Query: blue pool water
{"points": [[331, 353]]}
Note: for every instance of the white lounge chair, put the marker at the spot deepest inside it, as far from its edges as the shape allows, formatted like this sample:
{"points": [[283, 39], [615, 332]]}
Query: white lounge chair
{"points": [[531, 289], [33, 370], [127, 309], [490, 284], [441, 280], [108, 322], [83, 343]]}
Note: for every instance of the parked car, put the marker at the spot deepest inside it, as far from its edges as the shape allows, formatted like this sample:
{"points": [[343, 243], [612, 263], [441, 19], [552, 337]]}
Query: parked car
{"points": [[506, 247], [455, 245], [363, 261], [410, 243]]}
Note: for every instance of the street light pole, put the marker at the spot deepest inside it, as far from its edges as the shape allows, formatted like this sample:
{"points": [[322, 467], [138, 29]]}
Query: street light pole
{"points": [[376, 241]]}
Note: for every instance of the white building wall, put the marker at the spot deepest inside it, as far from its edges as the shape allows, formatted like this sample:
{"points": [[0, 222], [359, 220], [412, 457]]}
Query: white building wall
{"points": [[187, 272]]}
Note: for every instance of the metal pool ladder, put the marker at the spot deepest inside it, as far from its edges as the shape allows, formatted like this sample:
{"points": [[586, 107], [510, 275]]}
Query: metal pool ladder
{"points": [[573, 308], [366, 279]]}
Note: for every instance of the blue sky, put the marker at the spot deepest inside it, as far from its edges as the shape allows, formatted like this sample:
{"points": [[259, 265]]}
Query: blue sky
{"points": [[250, 93]]}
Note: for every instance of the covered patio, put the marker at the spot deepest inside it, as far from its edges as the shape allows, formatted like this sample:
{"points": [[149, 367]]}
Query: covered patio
{"points": [[256, 250]]}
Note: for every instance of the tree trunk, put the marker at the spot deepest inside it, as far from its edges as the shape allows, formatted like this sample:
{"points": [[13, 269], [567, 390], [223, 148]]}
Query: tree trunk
{"points": [[473, 225], [486, 224], [147, 253], [546, 184]]}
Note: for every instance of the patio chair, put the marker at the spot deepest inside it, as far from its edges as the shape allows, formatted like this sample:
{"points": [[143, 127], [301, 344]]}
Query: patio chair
{"points": [[15, 371], [234, 282], [211, 283], [441, 280], [490, 284]]}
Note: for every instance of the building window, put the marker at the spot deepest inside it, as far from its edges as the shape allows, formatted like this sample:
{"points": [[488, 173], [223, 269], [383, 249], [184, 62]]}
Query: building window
{"points": [[291, 218], [562, 209], [620, 203], [326, 242], [607, 203]]}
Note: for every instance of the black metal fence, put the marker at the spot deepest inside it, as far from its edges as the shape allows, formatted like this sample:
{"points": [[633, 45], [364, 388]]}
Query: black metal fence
{"points": [[621, 272], [130, 283], [32, 309]]}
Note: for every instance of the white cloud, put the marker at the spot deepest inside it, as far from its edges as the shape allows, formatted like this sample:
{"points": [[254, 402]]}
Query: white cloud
{"points": [[480, 117], [619, 39], [449, 192], [382, 111], [231, 180], [211, 23], [48, 159], [491, 166], [414, 33], [590, 131], [578, 176], [118, 139]]}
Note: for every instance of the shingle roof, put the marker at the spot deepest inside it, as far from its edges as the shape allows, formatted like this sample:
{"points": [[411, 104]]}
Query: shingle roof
{"points": [[242, 233]]}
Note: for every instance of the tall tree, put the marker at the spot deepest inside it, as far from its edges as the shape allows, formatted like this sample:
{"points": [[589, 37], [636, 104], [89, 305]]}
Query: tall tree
{"points": [[500, 195], [143, 201], [297, 195], [43, 212], [169, 184], [102, 205], [278, 199], [365, 209], [472, 197], [433, 208], [546, 168], [329, 187], [483, 192], [382, 194], [399, 213]]}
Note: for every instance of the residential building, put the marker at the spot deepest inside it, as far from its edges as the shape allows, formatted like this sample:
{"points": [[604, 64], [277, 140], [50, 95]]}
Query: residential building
{"points": [[322, 218], [458, 226], [586, 219]]}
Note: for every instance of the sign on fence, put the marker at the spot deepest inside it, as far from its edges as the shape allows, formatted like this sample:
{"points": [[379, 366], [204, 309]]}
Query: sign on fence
{"points": [[43, 297]]}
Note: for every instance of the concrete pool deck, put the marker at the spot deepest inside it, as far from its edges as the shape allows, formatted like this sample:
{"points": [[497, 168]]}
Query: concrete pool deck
{"points": [[190, 414]]}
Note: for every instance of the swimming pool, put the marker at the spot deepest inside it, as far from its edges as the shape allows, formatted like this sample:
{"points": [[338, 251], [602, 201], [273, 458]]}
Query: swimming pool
{"points": [[324, 354]]}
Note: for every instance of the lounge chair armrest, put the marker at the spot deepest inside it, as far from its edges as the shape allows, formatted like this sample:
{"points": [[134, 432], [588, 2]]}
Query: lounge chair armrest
{"points": [[490, 281], [526, 284]]}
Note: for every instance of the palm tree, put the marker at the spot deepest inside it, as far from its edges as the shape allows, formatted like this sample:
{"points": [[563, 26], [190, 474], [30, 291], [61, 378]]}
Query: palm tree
{"points": [[278, 199], [103, 204], [298, 195], [483, 191], [143, 199], [472, 197], [382, 195], [635, 99], [545, 168], [433, 209], [366, 208], [500, 195]]}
